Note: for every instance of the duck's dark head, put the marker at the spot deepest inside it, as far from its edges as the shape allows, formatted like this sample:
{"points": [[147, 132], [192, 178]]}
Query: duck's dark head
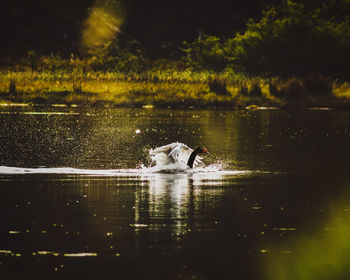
{"points": [[201, 149]]}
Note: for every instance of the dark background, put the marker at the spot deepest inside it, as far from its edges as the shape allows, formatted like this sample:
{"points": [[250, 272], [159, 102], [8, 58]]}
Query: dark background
{"points": [[55, 26]]}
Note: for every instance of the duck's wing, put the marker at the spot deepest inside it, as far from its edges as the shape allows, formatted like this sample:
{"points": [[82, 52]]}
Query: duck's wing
{"points": [[172, 153], [182, 152], [163, 149], [166, 154], [197, 161]]}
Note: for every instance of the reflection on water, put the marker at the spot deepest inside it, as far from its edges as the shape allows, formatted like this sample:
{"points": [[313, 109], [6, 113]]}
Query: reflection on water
{"points": [[78, 199], [170, 198], [165, 190]]}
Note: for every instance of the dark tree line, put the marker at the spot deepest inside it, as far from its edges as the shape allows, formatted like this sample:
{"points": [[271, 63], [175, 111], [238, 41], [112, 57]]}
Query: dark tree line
{"points": [[292, 38], [55, 26], [281, 38]]}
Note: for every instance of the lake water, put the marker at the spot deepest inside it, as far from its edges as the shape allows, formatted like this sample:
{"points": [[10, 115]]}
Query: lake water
{"points": [[77, 201]]}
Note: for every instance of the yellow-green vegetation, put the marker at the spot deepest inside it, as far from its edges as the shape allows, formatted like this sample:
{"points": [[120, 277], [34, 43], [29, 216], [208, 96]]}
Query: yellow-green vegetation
{"points": [[161, 89]]}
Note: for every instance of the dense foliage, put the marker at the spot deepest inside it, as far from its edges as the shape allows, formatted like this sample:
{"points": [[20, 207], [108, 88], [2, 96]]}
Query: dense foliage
{"points": [[289, 39]]}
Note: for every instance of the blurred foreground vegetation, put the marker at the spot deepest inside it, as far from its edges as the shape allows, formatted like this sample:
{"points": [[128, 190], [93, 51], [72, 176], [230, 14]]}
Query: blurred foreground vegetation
{"points": [[296, 54]]}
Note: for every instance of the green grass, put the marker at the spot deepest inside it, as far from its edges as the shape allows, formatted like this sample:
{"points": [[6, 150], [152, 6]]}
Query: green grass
{"points": [[167, 88]]}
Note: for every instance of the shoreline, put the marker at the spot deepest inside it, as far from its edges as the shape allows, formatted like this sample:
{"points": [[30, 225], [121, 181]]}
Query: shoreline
{"points": [[184, 90]]}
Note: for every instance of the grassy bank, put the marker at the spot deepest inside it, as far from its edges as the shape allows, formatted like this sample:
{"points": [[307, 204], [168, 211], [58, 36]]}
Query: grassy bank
{"points": [[168, 88]]}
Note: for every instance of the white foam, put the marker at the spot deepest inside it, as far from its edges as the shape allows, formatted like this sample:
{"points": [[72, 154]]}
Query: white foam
{"points": [[213, 170], [67, 170]]}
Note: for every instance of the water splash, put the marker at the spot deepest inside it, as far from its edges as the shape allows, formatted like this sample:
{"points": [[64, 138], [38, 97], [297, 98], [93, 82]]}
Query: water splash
{"points": [[213, 170], [8, 170]]}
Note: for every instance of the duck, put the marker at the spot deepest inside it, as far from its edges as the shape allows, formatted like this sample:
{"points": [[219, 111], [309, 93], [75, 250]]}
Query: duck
{"points": [[177, 154]]}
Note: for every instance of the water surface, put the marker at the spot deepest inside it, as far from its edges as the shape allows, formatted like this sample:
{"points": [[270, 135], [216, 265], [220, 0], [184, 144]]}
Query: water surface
{"points": [[79, 201]]}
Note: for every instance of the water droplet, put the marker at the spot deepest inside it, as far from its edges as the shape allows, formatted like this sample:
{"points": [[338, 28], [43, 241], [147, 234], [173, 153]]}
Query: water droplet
{"points": [[284, 229], [287, 251], [80, 255], [138, 225], [5, 252]]}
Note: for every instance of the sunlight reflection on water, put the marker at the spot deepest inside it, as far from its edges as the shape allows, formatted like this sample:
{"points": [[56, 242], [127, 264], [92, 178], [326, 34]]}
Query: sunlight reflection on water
{"points": [[50, 253]]}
